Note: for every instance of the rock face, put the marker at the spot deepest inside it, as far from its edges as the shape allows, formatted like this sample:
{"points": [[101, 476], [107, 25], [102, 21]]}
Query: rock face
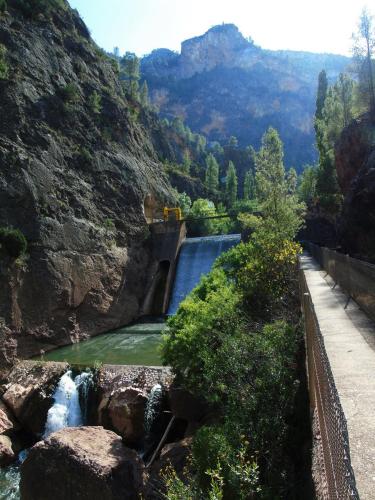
{"points": [[222, 84], [76, 163], [355, 164], [29, 389], [352, 150], [85, 463]]}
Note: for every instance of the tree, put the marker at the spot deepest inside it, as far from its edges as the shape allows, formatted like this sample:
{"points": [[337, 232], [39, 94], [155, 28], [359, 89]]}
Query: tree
{"points": [[307, 186], [292, 180], [130, 74], [212, 173], [186, 163], [363, 52], [144, 95], [279, 206], [231, 185], [249, 186], [233, 142], [321, 94]]}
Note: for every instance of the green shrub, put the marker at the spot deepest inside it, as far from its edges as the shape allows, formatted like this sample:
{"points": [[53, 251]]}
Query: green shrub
{"points": [[3, 6], [33, 8], [4, 68], [70, 93], [95, 103], [13, 242]]}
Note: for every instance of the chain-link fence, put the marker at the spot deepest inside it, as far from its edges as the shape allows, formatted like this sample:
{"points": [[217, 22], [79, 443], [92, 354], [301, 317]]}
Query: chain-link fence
{"points": [[336, 481], [355, 277]]}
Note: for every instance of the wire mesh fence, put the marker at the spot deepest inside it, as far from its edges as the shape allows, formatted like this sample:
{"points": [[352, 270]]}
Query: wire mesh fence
{"points": [[355, 277], [336, 481]]}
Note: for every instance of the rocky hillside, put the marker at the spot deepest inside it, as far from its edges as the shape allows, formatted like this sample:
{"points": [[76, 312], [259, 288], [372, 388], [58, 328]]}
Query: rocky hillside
{"points": [[222, 84], [77, 161]]}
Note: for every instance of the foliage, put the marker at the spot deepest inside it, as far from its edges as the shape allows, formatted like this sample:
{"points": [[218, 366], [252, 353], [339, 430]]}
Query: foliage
{"points": [[33, 8], [95, 103], [278, 204], [364, 52], [184, 202], [338, 109], [143, 96], [212, 173], [130, 74], [200, 209], [13, 242], [186, 163], [307, 185], [231, 185], [4, 68], [3, 6], [227, 344], [70, 95], [249, 186]]}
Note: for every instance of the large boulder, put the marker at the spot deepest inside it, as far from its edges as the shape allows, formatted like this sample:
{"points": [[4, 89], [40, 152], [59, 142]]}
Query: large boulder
{"points": [[29, 392], [82, 463], [122, 398], [124, 412], [8, 423]]}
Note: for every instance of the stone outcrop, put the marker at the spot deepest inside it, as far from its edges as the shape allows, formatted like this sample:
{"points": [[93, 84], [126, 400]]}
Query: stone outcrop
{"points": [[77, 161], [7, 454], [29, 390], [85, 463], [355, 164], [352, 150], [122, 396]]}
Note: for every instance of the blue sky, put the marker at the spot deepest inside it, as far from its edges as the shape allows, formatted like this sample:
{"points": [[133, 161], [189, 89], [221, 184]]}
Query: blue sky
{"points": [[142, 25]]}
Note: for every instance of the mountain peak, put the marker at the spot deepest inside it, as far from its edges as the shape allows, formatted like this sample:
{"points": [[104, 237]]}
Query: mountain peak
{"points": [[217, 46]]}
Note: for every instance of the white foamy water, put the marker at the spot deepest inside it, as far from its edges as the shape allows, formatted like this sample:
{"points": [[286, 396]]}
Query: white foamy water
{"points": [[66, 410]]}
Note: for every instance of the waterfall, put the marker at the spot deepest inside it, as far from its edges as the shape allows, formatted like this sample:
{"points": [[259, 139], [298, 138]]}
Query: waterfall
{"points": [[152, 407], [196, 258], [84, 382], [66, 409]]}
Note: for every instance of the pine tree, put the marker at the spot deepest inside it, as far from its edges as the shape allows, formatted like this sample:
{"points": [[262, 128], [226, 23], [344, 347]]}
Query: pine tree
{"points": [[212, 173], [278, 205], [364, 52], [231, 185], [186, 163], [130, 74], [322, 94], [144, 95], [249, 186], [292, 180]]}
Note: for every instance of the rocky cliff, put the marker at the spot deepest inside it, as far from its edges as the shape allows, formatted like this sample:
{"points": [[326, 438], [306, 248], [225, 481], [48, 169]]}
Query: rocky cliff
{"points": [[222, 85], [77, 161], [355, 165]]}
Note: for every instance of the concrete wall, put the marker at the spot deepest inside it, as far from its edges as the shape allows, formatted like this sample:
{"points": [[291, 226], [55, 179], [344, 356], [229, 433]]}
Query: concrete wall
{"points": [[167, 238]]}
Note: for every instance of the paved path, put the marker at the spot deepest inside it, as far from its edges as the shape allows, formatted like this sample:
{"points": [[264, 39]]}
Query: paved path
{"points": [[349, 338]]}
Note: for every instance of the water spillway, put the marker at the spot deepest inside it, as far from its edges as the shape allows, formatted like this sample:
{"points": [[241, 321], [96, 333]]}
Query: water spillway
{"points": [[196, 258]]}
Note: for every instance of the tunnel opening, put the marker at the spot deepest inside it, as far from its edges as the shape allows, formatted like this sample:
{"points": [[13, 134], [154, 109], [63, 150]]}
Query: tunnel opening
{"points": [[161, 280]]}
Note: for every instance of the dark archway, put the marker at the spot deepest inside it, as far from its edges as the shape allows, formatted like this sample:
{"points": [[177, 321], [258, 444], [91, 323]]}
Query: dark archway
{"points": [[161, 280]]}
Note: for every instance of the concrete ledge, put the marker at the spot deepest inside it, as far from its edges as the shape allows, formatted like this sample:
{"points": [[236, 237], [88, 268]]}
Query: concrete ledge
{"points": [[349, 339]]}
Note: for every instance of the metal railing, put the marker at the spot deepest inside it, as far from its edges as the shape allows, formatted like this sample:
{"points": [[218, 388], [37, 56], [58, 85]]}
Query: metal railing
{"points": [[336, 477], [355, 277]]}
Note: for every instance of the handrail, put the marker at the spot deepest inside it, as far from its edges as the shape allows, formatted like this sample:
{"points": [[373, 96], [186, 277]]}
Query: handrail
{"points": [[355, 277]]}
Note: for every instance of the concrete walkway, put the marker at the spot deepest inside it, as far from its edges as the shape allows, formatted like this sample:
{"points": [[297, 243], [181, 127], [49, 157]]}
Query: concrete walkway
{"points": [[349, 338]]}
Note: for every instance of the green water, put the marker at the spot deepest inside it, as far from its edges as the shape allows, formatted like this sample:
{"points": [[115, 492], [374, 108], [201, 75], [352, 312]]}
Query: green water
{"points": [[132, 345]]}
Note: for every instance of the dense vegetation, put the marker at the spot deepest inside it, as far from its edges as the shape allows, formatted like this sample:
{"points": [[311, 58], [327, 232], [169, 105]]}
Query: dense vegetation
{"points": [[233, 342]]}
